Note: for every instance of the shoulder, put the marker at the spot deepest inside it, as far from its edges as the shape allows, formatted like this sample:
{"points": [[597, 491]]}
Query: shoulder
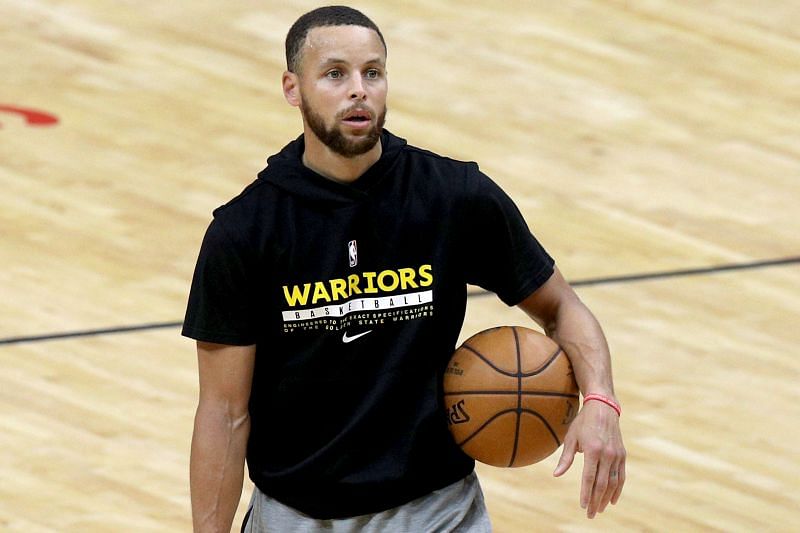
{"points": [[251, 198], [434, 169], [248, 217], [463, 180], [434, 159]]}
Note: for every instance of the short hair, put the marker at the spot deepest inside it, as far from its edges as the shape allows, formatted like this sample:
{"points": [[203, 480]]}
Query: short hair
{"points": [[323, 16]]}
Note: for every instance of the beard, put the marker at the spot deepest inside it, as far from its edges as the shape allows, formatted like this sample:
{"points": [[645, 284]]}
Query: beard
{"points": [[333, 137]]}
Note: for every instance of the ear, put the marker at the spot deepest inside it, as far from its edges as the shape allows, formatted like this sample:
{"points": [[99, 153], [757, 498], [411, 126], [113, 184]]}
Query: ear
{"points": [[291, 88]]}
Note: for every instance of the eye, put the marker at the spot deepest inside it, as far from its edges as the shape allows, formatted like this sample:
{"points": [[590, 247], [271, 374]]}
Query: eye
{"points": [[373, 74], [334, 74]]}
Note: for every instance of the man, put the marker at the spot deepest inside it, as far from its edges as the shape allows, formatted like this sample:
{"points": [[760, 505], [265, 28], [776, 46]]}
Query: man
{"points": [[327, 300]]}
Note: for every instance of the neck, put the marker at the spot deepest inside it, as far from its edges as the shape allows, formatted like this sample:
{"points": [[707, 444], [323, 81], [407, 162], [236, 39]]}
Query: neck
{"points": [[325, 162]]}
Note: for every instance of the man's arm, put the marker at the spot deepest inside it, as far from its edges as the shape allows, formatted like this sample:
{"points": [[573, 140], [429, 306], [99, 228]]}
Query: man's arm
{"points": [[595, 431], [221, 429]]}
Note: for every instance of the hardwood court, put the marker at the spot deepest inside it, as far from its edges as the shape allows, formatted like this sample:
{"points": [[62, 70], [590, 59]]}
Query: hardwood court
{"points": [[636, 137]]}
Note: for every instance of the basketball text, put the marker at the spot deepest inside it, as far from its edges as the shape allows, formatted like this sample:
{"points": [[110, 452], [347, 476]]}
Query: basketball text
{"points": [[457, 414]]}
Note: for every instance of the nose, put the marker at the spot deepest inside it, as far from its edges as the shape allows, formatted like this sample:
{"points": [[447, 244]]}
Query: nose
{"points": [[357, 91]]}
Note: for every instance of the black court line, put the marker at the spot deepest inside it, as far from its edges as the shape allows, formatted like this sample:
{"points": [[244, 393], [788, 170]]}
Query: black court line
{"points": [[630, 278], [90, 333]]}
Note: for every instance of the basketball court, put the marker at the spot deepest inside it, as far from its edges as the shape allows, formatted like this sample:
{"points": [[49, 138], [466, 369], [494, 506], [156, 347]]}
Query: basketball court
{"points": [[653, 147]]}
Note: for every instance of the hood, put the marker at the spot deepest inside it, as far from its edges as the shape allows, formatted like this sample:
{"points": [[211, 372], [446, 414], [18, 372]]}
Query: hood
{"points": [[285, 170]]}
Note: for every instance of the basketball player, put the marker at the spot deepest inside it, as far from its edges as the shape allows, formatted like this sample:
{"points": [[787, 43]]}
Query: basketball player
{"points": [[327, 299]]}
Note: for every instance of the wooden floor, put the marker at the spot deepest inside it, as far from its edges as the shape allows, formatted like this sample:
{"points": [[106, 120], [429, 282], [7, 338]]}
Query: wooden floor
{"points": [[638, 137]]}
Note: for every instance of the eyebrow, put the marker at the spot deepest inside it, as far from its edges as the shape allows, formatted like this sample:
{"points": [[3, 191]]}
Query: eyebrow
{"points": [[337, 61]]}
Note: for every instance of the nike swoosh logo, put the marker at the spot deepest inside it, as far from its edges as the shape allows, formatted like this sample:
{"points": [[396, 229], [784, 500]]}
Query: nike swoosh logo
{"points": [[346, 339]]}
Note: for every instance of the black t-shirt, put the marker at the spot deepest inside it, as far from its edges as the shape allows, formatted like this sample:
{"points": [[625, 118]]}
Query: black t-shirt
{"points": [[354, 295]]}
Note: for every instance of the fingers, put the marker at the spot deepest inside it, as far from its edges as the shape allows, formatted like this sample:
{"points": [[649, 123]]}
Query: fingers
{"points": [[567, 457], [589, 483], [620, 483], [603, 497], [608, 478]]}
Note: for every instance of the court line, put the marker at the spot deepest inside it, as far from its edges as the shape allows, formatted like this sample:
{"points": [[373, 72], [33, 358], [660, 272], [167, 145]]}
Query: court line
{"points": [[90, 333], [630, 278]]}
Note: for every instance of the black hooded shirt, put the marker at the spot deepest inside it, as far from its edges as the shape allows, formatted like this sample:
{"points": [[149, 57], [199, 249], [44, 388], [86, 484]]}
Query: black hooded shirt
{"points": [[354, 295]]}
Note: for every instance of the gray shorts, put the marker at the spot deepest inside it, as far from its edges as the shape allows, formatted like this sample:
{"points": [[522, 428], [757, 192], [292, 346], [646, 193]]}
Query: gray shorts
{"points": [[457, 508]]}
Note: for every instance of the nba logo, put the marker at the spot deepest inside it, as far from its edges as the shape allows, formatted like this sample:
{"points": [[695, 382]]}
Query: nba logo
{"points": [[352, 252]]}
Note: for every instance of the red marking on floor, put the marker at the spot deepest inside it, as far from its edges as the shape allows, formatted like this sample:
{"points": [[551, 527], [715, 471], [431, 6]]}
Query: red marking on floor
{"points": [[33, 117]]}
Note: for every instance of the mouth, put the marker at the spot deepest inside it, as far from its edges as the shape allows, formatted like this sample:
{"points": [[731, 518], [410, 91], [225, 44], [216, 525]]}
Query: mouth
{"points": [[357, 117]]}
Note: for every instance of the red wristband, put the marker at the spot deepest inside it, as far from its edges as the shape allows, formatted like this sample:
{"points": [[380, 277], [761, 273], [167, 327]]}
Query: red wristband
{"points": [[608, 401]]}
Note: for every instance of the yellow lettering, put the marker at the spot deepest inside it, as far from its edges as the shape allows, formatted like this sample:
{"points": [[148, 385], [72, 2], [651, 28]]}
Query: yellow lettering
{"points": [[382, 280], [370, 277], [296, 296], [320, 293], [426, 276], [341, 289], [407, 276], [352, 284], [338, 289]]}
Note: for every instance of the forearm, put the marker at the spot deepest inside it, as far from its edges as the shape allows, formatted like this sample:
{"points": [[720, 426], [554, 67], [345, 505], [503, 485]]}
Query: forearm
{"points": [[566, 319], [219, 445], [595, 430], [578, 332]]}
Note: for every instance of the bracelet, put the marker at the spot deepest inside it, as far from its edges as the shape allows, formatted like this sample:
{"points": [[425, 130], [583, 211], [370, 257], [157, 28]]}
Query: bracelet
{"points": [[606, 400]]}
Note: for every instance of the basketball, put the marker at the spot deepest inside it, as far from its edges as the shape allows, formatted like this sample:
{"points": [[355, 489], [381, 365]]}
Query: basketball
{"points": [[510, 395]]}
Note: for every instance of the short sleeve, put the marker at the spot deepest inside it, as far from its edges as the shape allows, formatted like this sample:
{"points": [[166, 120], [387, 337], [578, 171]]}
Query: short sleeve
{"points": [[220, 307], [503, 255]]}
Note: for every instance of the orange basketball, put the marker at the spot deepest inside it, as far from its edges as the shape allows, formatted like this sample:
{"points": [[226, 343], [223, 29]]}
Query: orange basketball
{"points": [[510, 395]]}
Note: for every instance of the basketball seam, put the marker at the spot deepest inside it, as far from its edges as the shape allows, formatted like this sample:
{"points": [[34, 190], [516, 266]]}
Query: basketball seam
{"points": [[514, 374], [523, 393], [545, 364], [546, 424], [487, 361], [519, 398], [483, 426], [504, 412]]}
